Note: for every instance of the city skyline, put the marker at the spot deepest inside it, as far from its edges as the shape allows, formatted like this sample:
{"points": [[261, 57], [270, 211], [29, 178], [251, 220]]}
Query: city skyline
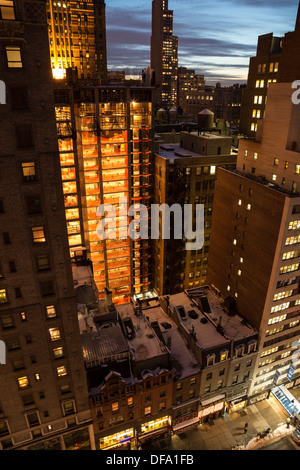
{"points": [[216, 41]]}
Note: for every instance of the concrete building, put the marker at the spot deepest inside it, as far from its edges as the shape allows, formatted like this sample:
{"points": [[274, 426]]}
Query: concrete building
{"points": [[164, 61], [254, 254], [105, 136], [224, 344], [77, 38], [274, 62], [43, 394], [186, 173]]}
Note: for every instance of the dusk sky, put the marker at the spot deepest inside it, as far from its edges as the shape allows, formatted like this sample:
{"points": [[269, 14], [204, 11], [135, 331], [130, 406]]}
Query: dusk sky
{"points": [[216, 38]]}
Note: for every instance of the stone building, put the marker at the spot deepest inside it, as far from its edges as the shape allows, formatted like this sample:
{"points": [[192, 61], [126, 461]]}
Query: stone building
{"points": [[43, 395]]}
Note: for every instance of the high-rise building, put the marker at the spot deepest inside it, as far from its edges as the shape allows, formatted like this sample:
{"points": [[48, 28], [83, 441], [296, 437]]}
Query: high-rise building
{"points": [[164, 61], [105, 140], [254, 250], [43, 393], [274, 62], [77, 38], [185, 174]]}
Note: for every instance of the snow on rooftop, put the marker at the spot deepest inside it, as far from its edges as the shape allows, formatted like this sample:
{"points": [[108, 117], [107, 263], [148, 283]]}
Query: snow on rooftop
{"points": [[203, 325], [145, 344], [183, 360]]}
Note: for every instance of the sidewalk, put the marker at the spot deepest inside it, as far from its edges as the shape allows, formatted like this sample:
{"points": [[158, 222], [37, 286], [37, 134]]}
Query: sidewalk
{"points": [[227, 433]]}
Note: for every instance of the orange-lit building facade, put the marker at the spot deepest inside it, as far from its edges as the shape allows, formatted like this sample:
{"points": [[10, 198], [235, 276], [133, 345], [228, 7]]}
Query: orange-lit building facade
{"points": [[77, 37], [105, 143]]}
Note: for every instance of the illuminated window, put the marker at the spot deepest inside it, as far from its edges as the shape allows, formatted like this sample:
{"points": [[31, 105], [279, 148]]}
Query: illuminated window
{"points": [[295, 225], [239, 272], [68, 407], [274, 177], [28, 170], [61, 371], [240, 202], [213, 170], [13, 55], [224, 355], [38, 234], [130, 401], [23, 382], [3, 296], [297, 169], [58, 353], [228, 288], [234, 241], [51, 312], [54, 334], [115, 406], [7, 11], [255, 155], [280, 307]]}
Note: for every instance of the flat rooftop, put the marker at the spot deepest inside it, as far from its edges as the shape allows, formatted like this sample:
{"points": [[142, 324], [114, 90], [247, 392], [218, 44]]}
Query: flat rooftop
{"points": [[183, 361], [175, 151], [204, 321], [144, 344], [106, 342]]}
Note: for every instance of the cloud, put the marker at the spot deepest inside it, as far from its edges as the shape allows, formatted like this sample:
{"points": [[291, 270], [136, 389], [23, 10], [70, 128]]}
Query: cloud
{"points": [[220, 33]]}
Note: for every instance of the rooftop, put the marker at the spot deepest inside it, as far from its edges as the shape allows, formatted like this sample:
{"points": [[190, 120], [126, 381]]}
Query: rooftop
{"points": [[201, 311], [100, 345], [143, 341], [183, 361], [175, 151]]}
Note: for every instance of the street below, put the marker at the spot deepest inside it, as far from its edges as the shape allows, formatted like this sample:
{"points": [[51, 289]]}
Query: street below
{"points": [[228, 432]]}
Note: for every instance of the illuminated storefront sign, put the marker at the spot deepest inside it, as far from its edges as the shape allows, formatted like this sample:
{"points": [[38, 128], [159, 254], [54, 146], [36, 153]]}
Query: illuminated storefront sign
{"points": [[186, 422], [117, 439], [214, 408], [157, 424]]}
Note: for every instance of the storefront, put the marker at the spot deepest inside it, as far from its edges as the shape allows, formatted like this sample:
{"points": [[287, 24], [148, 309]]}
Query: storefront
{"points": [[185, 423], [158, 428], [123, 440], [287, 400], [212, 408], [236, 405]]}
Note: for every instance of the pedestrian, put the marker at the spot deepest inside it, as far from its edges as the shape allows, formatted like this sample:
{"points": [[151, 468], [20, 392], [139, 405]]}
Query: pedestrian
{"points": [[246, 428]]}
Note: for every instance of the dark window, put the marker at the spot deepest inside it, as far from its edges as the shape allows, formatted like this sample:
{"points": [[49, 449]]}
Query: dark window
{"points": [[43, 263], [3, 428], [33, 419], [1, 207], [34, 205], [6, 238], [18, 292], [47, 288], [28, 400], [13, 343], [296, 209], [7, 321], [19, 98], [12, 266], [24, 135]]}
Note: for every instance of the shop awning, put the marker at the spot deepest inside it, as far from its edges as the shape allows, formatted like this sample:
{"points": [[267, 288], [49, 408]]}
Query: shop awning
{"points": [[287, 400], [185, 424], [211, 400]]}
